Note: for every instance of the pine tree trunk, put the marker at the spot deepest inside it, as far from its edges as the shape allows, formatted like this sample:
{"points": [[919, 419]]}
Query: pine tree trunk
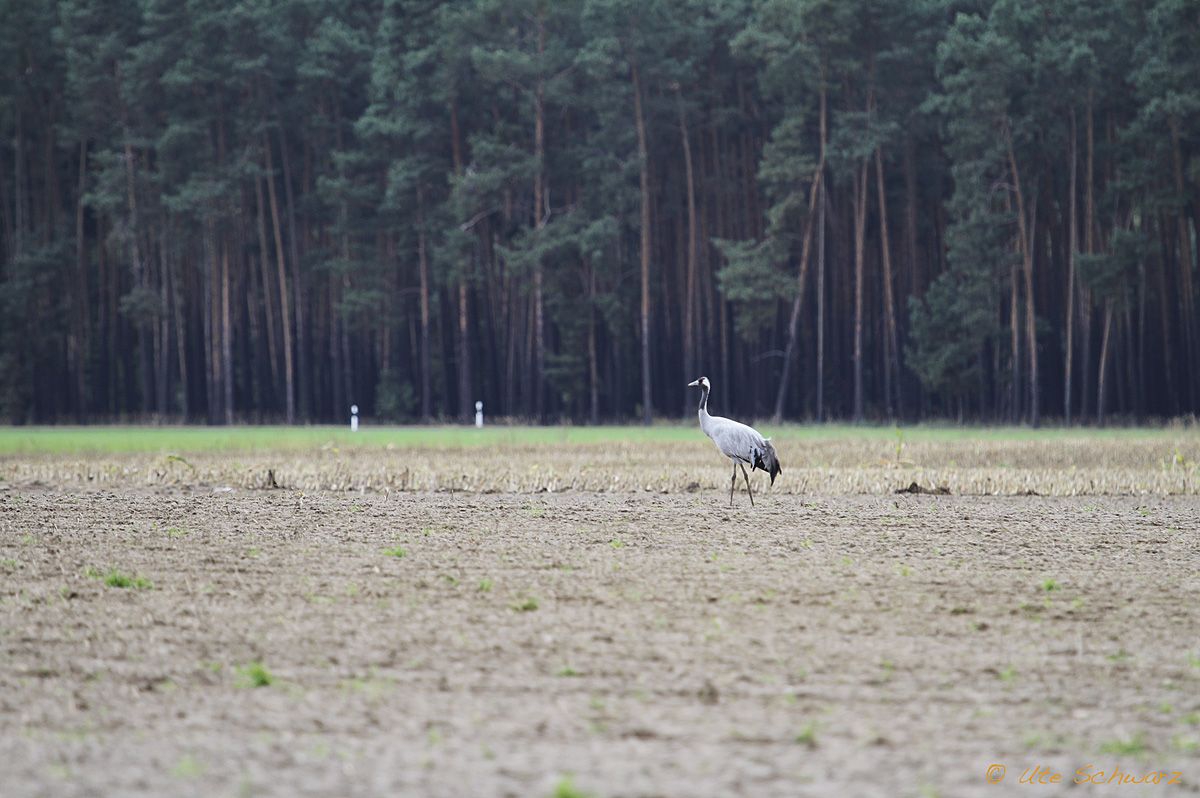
{"points": [[889, 302], [344, 338], [102, 391], [255, 341], [343, 376], [423, 265], [212, 378], [510, 374], [334, 344], [181, 340], [539, 221], [530, 358], [916, 282], [1014, 329], [690, 291], [1025, 232], [388, 255], [1089, 246], [18, 237], [81, 312], [226, 337], [163, 334], [139, 271], [265, 277], [1072, 244], [593, 367], [860, 225], [465, 400], [303, 385], [1140, 354], [289, 380], [1187, 310], [644, 181], [1129, 398], [798, 301], [7, 223], [1104, 346], [1035, 417], [1164, 317], [821, 202]]}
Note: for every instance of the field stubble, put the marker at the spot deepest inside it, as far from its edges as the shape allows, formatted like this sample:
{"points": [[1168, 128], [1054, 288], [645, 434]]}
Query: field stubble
{"points": [[1056, 466]]}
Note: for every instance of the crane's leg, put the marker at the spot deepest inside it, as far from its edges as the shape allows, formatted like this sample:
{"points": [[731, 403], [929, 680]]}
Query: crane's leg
{"points": [[747, 478], [732, 484]]}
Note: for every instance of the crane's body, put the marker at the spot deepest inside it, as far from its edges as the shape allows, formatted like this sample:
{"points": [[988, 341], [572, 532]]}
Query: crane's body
{"points": [[742, 444]]}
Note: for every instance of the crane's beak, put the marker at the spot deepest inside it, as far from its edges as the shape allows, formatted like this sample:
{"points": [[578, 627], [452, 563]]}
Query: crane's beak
{"points": [[693, 383]]}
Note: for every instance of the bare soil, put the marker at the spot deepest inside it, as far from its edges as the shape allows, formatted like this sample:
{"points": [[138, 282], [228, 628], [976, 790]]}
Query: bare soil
{"points": [[472, 644]]}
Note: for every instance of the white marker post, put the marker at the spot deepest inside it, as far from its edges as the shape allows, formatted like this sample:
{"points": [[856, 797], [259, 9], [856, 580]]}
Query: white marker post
{"points": [[479, 415], [354, 418]]}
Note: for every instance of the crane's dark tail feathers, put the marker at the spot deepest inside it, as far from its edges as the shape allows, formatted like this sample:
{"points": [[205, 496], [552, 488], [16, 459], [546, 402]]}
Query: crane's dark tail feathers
{"points": [[768, 462]]}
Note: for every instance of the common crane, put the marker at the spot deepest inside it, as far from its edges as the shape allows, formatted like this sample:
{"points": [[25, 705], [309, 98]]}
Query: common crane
{"points": [[740, 443]]}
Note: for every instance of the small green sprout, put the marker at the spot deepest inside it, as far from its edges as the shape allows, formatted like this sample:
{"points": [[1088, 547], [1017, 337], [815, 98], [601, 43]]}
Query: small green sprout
{"points": [[528, 605], [255, 674]]}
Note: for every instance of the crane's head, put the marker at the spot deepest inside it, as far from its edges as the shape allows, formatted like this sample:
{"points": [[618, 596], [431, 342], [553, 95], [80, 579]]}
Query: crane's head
{"points": [[700, 383]]}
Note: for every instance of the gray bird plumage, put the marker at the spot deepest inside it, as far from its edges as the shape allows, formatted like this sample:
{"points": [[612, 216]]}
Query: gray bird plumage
{"points": [[740, 443]]}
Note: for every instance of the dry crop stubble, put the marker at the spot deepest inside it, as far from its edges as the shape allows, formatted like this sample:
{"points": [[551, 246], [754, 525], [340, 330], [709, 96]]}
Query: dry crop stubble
{"points": [[1101, 465]]}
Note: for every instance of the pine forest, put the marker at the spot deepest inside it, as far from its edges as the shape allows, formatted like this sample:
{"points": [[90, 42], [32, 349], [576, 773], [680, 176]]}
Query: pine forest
{"points": [[250, 211]]}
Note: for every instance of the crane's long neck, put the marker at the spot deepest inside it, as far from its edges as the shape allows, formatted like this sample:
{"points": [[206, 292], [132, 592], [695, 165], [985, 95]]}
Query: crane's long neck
{"points": [[704, 416]]}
